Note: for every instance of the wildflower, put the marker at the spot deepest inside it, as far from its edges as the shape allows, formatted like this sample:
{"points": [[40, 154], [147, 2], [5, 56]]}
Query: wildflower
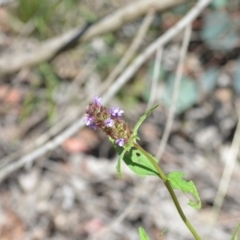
{"points": [[109, 121], [88, 120], [120, 142], [90, 123], [116, 112]]}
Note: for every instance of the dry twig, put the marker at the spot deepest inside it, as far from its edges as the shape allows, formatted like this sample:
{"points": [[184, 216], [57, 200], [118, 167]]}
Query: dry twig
{"points": [[227, 173], [161, 41], [67, 120], [114, 21], [156, 72], [120, 81], [176, 87], [130, 51]]}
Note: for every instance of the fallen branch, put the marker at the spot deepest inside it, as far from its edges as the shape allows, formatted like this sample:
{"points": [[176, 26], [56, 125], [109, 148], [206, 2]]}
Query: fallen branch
{"points": [[120, 81], [112, 22]]}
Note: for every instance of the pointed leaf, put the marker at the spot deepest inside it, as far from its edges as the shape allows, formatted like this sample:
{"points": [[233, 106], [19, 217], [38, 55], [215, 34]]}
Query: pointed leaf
{"points": [[177, 182], [142, 118], [142, 234], [136, 161], [235, 235]]}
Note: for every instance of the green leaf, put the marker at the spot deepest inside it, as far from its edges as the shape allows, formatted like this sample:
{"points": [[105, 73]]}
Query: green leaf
{"points": [[136, 161], [142, 234], [235, 235], [142, 118], [220, 31], [219, 4], [177, 182], [181, 9]]}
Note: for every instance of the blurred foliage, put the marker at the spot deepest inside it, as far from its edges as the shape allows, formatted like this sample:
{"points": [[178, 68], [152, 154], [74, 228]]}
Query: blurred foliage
{"points": [[28, 9], [51, 82], [30, 104], [190, 90], [182, 9], [220, 31], [40, 12], [236, 77], [230, 5], [236, 234], [51, 17], [87, 14], [209, 80], [219, 4], [187, 93], [48, 84], [106, 62], [110, 38]]}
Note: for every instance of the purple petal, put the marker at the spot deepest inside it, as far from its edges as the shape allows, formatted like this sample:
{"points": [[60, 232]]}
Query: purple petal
{"points": [[120, 142], [88, 120], [109, 122], [93, 126], [116, 112], [97, 100]]}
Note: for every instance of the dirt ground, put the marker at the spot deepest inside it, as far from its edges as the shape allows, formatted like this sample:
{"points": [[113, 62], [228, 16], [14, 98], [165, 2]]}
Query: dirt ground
{"points": [[58, 177]]}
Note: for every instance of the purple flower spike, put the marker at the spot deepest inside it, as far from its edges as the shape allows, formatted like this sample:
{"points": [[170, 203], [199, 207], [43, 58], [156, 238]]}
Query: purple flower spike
{"points": [[97, 100], [120, 142], [109, 122], [116, 112]]}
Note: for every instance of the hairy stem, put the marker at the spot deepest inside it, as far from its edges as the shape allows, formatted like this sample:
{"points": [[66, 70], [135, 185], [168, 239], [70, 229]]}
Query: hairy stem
{"points": [[170, 190]]}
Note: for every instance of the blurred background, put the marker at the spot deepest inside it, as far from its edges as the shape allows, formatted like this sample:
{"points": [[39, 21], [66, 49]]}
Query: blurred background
{"points": [[58, 178]]}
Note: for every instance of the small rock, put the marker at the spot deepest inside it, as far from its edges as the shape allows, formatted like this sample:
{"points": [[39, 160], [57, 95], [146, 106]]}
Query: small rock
{"points": [[223, 95], [224, 80], [45, 189], [29, 180], [208, 138]]}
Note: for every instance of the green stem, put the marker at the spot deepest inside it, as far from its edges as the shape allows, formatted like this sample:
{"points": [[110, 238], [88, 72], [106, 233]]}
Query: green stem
{"points": [[170, 190]]}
